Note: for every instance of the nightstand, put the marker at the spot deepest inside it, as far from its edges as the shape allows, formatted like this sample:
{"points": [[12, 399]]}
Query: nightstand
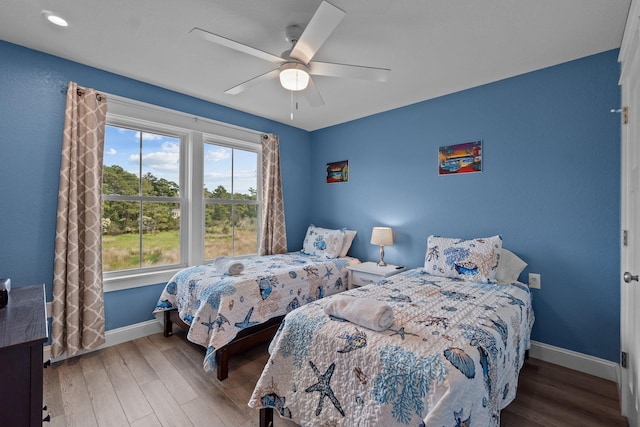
{"points": [[369, 272]]}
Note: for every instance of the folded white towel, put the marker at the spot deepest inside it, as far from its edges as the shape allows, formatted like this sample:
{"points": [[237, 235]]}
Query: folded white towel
{"points": [[228, 266], [365, 312], [234, 268]]}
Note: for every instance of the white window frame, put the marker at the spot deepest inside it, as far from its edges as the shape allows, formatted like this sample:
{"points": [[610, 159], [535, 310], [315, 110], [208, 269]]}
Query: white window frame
{"points": [[193, 132], [236, 145]]}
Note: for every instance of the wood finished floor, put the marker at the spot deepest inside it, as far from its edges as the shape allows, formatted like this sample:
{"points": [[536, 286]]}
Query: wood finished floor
{"points": [[158, 381]]}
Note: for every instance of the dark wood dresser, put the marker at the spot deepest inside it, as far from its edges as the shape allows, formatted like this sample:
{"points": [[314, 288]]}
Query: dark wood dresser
{"points": [[23, 331]]}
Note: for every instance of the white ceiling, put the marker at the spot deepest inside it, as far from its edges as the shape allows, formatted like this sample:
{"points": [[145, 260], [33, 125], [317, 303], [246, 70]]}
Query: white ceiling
{"points": [[433, 47]]}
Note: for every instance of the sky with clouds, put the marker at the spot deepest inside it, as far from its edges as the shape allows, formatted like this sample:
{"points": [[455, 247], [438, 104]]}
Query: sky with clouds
{"points": [[161, 157]]}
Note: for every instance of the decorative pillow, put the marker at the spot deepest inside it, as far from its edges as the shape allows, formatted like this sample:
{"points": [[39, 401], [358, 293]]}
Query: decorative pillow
{"points": [[475, 259], [349, 235], [509, 267], [323, 242]]}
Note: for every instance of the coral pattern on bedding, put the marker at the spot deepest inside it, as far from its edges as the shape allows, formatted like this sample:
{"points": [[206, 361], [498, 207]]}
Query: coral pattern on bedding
{"points": [[218, 306], [451, 357]]}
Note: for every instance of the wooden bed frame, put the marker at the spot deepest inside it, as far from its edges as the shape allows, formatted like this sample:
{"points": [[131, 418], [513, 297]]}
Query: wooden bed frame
{"points": [[266, 417], [246, 339]]}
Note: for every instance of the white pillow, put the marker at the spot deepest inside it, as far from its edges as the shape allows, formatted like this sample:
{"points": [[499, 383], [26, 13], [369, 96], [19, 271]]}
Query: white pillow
{"points": [[509, 267], [323, 242], [474, 259], [349, 235]]}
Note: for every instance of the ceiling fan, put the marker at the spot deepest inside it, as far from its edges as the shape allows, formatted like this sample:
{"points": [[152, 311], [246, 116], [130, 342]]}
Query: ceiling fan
{"points": [[296, 65]]}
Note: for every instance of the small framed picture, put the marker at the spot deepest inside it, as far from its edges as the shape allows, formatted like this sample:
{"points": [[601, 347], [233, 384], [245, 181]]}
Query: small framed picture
{"points": [[460, 158], [338, 171]]}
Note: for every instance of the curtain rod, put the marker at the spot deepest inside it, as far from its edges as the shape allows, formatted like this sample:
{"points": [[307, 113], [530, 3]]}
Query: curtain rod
{"points": [[136, 103], [80, 92]]}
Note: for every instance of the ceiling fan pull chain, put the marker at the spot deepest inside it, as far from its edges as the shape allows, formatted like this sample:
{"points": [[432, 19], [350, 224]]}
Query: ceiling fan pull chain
{"points": [[291, 105]]}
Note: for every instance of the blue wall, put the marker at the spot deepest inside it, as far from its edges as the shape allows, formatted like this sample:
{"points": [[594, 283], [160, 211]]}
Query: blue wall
{"points": [[550, 186], [32, 101]]}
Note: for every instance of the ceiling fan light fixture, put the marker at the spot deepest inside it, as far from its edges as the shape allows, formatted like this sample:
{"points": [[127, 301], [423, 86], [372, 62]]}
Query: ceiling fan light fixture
{"points": [[294, 76]]}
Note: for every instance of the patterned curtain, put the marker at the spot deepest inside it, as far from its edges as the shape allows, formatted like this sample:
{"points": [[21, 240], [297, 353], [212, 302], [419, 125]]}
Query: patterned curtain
{"points": [[274, 233], [78, 302]]}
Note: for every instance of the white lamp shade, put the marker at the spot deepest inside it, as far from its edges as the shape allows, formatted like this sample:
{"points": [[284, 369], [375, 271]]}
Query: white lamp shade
{"points": [[382, 236], [294, 76]]}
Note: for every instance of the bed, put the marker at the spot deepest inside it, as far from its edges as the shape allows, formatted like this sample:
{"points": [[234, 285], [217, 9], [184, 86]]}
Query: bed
{"points": [[227, 313], [451, 357]]}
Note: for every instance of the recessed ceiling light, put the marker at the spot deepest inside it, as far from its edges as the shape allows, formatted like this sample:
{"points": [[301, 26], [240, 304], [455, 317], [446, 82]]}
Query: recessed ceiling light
{"points": [[55, 19]]}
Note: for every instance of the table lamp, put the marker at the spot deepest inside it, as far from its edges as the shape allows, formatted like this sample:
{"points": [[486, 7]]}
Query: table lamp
{"points": [[382, 236]]}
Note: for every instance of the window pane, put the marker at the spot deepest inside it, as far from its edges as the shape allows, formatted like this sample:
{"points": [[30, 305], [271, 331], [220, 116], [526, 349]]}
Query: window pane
{"points": [[230, 174], [230, 230], [160, 165], [127, 153], [121, 173], [245, 177], [218, 236], [120, 238], [160, 234], [217, 171], [245, 230]]}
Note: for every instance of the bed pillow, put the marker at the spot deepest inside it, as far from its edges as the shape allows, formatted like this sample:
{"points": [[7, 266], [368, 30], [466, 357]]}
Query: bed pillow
{"points": [[323, 242], [349, 235], [509, 267], [475, 260]]}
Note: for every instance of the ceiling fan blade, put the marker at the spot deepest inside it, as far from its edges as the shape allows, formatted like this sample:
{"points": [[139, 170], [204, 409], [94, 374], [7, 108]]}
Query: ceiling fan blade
{"points": [[254, 81], [322, 24], [313, 95], [223, 41], [348, 71]]}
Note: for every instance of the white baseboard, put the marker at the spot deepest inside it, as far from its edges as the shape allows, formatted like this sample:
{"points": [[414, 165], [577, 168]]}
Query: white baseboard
{"points": [[578, 361], [117, 336]]}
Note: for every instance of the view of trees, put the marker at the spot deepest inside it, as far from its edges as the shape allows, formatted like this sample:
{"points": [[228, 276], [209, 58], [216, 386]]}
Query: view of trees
{"points": [[230, 228], [124, 216], [220, 237], [220, 215]]}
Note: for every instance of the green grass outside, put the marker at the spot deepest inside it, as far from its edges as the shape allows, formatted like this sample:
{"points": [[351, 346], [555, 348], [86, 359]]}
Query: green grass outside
{"points": [[121, 252]]}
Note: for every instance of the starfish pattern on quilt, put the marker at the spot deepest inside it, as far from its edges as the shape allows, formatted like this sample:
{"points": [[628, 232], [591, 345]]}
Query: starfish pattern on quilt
{"points": [[246, 323], [324, 388], [210, 324], [329, 273]]}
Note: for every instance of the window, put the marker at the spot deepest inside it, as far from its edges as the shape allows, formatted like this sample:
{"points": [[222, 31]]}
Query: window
{"points": [[231, 204], [141, 204], [177, 191]]}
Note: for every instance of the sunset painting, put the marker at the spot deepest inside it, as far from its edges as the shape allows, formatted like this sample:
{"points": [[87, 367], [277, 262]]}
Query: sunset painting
{"points": [[338, 171], [460, 158]]}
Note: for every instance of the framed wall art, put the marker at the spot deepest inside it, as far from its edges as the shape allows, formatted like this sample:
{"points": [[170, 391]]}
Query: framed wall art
{"points": [[338, 171], [460, 158]]}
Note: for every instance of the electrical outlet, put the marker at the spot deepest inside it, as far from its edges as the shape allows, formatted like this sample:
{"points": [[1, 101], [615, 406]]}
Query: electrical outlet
{"points": [[534, 281]]}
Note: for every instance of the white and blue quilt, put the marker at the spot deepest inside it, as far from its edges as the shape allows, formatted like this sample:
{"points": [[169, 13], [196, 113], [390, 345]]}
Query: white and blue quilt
{"points": [[450, 358], [217, 306]]}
